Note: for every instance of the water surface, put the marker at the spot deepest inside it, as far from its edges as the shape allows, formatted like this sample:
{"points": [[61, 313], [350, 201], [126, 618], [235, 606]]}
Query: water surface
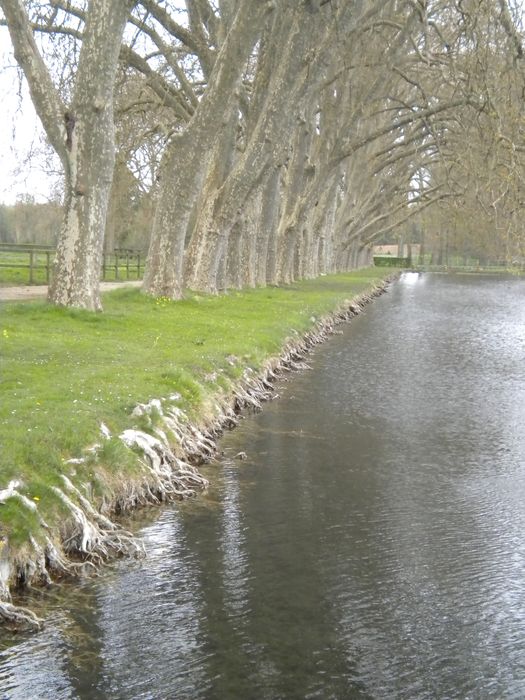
{"points": [[371, 546]]}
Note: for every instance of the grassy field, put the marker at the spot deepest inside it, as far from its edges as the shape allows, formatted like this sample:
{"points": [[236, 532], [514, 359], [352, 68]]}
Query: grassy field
{"points": [[63, 372], [14, 268]]}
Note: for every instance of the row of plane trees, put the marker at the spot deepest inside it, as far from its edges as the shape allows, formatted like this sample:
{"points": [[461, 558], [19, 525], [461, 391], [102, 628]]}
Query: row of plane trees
{"points": [[276, 139]]}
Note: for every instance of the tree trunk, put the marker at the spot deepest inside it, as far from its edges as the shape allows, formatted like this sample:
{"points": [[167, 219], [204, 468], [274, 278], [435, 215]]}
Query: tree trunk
{"points": [[232, 261], [89, 176], [181, 173], [83, 137], [220, 164], [252, 215], [90, 146], [267, 227], [327, 230], [288, 253]]}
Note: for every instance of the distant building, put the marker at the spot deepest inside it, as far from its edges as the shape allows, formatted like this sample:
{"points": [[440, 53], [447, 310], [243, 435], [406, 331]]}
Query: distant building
{"points": [[391, 249]]}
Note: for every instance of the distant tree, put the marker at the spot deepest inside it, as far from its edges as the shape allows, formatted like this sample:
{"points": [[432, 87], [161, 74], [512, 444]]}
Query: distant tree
{"points": [[28, 221], [5, 232], [130, 209], [483, 159]]}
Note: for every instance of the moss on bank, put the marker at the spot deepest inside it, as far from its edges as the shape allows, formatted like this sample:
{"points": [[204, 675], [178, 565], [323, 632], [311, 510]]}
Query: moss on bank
{"points": [[65, 372]]}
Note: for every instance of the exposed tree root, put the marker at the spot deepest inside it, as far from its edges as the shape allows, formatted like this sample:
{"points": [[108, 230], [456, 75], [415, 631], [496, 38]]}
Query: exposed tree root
{"points": [[19, 619], [93, 536], [170, 477]]}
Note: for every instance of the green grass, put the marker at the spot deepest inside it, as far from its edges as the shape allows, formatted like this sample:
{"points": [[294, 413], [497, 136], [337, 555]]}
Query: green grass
{"points": [[63, 372], [14, 268]]}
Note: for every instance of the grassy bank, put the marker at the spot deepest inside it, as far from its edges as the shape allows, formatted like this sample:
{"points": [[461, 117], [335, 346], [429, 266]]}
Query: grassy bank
{"points": [[64, 372]]}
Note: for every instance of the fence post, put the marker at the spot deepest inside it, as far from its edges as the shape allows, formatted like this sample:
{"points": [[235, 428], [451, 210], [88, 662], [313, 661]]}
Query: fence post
{"points": [[116, 265], [31, 263], [47, 267], [138, 265], [127, 264]]}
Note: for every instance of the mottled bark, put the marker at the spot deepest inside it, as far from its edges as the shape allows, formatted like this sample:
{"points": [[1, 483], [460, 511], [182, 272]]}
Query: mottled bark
{"points": [[44, 94], [267, 230], [322, 222], [220, 164], [233, 258], [182, 170], [252, 215], [293, 219], [326, 238]]}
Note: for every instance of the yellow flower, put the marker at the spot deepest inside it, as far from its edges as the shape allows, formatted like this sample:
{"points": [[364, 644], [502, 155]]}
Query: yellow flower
{"points": [[5, 333], [36, 498]]}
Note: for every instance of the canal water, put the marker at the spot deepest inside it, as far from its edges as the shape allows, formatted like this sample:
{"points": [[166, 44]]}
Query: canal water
{"points": [[372, 545]]}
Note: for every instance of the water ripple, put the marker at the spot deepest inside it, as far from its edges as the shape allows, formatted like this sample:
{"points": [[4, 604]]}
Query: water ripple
{"points": [[371, 547]]}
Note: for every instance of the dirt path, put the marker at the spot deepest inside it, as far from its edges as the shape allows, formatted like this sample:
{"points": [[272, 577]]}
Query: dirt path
{"points": [[40, 291]]}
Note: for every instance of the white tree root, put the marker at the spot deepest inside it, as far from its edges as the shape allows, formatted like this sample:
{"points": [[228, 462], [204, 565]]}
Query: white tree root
{"points": [[170, 477], [93, 536]]}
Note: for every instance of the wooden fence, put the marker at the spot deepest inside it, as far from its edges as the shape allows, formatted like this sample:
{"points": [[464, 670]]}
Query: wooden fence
{"points": [[33, 264], [123, 264]]}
